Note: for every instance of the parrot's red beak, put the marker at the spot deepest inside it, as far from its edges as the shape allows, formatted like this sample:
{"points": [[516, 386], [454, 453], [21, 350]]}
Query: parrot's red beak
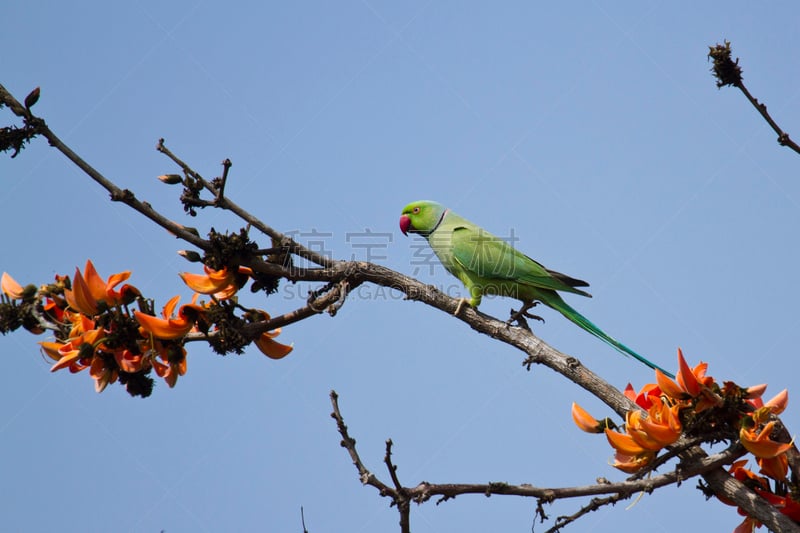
{"points": [[405, 224]]}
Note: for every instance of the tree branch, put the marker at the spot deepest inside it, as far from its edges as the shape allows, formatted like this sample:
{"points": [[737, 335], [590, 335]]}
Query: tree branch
{"points": [[344, 275], [728, 72], [695, 462], [223, 202], [118, 195]]}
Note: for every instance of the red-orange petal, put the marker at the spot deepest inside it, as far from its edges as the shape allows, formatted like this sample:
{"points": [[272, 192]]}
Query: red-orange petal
{"points": [[775, 467], [778, 403], [664, 434], [51, 349], [624, 443], [116, 279], [645, 397], [202, 283], [631, 464], [81, 296], [760, 444], [272, 349], [66, 360], [755, 391], [171, 376], [169, 307], [749, 525], [669, 387], [160, 368], [686, 377], [584, 420], [10, 287], [96, 285], [629, 393], [128, 362], [637, 432], [162, 328]]}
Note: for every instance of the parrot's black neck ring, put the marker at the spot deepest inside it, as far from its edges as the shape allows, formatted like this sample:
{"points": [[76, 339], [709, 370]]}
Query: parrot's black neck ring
{"points": [[427, 233]]}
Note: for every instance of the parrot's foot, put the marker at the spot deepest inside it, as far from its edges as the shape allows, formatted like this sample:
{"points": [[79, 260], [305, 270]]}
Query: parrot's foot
{"points": [[461, 303], [520, 316]]}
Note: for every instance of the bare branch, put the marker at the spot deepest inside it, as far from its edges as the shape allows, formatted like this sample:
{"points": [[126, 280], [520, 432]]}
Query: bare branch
{"points": [[329, 300], [303, 519], [118, 195], [695, 462], [225, 203], [349, 444], [402, 500], [728, 72]]}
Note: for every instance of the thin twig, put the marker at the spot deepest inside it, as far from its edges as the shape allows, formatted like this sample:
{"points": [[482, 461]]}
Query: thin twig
{"points": [[226, 166], [226, 203], [401, 500], [330, 299], [348, 443], [593, 505], [118, 195], [728, 72], [783, 137]]}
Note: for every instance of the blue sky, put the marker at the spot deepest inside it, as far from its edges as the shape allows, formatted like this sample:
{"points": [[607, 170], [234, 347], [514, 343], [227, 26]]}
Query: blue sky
{"points": [[593, 133]]}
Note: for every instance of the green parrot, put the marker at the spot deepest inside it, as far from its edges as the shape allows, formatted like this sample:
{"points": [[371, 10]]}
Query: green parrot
{"points": [[486, 264]]}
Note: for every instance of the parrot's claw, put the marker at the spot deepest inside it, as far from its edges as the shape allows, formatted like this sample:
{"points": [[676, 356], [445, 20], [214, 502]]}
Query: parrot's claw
{"points": [[520, 316], [461, 303]]}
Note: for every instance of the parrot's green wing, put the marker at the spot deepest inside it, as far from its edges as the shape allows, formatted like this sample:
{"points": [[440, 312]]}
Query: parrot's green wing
{"points": [[475, 251], [481, 253]]}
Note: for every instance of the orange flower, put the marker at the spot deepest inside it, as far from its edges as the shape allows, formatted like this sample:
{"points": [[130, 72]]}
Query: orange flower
{"points": [[760, 444], [660, 428], [129, 362], [50, 349], [54, 309], [692, 383], [670, 388], [89, 290], [587, 422], [645, 433], [774, 467], [643, 399], [625, 444], [102, 374], [75, 354], [778, 403], [169, 328], [269, 347], [80, 323], [631, 464], [172, 362], [221, 283], [688, 379], [755, 391], [80, 298], [10, 287]]}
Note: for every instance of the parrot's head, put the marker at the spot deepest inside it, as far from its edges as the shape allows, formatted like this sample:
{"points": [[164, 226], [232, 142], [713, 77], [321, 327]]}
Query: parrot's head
{"points": [[421, 217]]}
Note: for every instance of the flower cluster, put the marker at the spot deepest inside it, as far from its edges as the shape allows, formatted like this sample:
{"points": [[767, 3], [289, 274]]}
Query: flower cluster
{"points": [[95, 329], [647, 431], [694, 405]]}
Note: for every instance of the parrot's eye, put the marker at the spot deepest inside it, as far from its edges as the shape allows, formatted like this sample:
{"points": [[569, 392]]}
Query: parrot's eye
{"points": [[415, 210]]}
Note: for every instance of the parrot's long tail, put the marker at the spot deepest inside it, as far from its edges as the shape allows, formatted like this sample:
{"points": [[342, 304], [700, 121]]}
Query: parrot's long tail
{"points": [[556, 302]]}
